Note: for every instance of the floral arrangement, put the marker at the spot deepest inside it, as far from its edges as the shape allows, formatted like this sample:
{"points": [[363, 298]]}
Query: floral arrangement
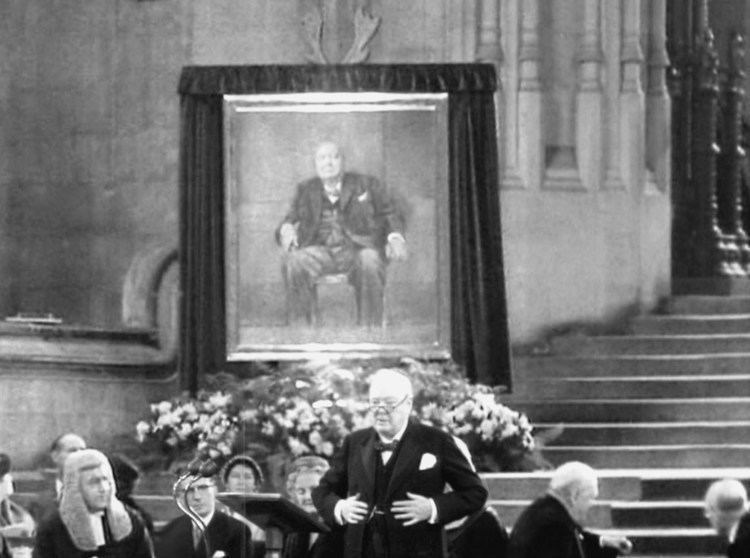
{"points": [[308, 410], [185, 424]]}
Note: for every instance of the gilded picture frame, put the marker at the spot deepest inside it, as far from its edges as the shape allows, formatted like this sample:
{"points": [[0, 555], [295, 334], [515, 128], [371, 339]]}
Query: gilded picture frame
{"points": [[393, 149]]}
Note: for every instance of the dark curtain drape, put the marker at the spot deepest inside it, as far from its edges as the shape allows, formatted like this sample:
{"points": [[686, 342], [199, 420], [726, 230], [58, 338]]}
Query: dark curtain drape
{"points": [[479, 328], [202, 325]]}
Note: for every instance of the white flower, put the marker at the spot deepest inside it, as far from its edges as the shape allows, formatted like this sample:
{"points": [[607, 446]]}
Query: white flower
{"points": [[301, 384], [190, 412], [268, 429], [163, 407], [296, 447], [219, 399], [487, 429], [326, 449], [184, 431], [322, 404], [142, 429], [315, 438]]}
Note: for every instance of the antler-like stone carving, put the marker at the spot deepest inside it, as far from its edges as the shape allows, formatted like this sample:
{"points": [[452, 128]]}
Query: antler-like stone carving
{"points": [[365, 27], [312, 35]]}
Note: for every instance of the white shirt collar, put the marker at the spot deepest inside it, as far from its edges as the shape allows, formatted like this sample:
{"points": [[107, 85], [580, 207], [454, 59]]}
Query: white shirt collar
{"points": [[733, 532], [207, 520]]}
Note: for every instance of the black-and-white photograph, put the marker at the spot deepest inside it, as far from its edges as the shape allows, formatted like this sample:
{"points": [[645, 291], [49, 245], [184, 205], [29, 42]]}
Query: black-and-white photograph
{"points": [[374, 279]]}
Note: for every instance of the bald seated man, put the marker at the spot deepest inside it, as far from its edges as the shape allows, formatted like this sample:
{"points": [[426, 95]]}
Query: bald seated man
{"points": [[552, 526], [386, 484], [727, 511], [61, 448], [339, 222]]}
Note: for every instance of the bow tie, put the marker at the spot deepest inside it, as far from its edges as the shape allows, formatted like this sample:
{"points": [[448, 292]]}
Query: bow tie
{"points": [[383, 446]]}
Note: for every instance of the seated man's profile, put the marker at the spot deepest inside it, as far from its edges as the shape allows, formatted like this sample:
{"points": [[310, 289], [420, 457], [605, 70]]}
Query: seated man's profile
{"points": [[339, 222]]}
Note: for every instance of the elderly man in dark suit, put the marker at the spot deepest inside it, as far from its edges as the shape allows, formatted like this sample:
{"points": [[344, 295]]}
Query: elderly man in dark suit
{"points": [[224, 535], [551, 527], [727, 511], [339, 222], [386, 484]]}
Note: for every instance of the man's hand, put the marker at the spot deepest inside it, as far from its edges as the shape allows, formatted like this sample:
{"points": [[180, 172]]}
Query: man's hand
{"points": [[395, 250], [288, 237], [417, 508], [353, 510], [621, 544]]}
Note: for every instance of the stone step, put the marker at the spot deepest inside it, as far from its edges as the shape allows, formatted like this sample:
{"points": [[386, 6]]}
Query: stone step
{"points": [[651, 344], [690, 324], [641, 456], [693, 488], [635, 387], [528, 486], [647, 433], [528, 367], [677, 513], [642, 410], [708, 305], [671, 541], [599, 515]]}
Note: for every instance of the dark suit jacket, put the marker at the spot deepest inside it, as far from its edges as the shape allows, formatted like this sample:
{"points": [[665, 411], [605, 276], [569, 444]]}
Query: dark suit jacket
{"points": [[326, 545], [353, 472], [546, 530], [740, 548], [53, 541], [367, 211], [224, 533], [483, 536]]}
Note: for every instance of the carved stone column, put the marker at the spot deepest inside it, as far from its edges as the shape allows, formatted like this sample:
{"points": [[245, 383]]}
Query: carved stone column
{"points": [[612, 47], [491, 40], [530, 151], [658, 103], [707, 242], [590, 98], [489, 50], [733, 155], [632, 102]]}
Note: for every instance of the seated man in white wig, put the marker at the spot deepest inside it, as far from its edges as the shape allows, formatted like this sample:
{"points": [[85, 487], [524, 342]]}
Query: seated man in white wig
{"points": [[552, 526], [727, 511], [90, 520]]}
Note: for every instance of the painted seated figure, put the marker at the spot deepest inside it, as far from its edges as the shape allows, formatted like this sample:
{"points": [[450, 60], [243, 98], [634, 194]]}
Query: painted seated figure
{"points": [[339, 223]]}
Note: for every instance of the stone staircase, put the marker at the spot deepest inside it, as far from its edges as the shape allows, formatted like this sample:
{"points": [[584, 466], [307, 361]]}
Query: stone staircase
{"points": [[660, 412]]}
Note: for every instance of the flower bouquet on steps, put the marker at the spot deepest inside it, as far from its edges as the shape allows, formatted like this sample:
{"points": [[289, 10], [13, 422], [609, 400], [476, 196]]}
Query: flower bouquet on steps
{"points": [[309, 409]]}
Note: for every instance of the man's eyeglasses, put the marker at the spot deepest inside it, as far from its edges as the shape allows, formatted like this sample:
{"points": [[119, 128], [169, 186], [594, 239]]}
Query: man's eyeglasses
{"points": [[388, 405], [200, 488]]}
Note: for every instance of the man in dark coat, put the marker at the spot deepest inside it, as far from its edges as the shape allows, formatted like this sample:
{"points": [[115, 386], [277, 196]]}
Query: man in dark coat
{"points": [[182, 539], [726, 510], [339, 222], [551, 527], [91, 521], [386, 484]]}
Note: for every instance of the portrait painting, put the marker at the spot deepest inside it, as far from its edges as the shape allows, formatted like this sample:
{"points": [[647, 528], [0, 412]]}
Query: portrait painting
{"points": [[336, 223]]}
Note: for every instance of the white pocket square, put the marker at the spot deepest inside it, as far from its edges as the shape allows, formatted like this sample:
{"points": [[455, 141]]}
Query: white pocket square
{"points": [[427, 462], [363, 197]]}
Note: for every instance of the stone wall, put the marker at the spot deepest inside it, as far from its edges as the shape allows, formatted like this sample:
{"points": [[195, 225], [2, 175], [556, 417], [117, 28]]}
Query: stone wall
{"points": [[90, 132]]}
